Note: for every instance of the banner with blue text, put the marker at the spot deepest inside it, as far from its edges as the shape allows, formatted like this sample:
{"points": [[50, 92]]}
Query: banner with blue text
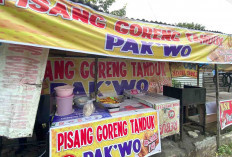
{"points": [[114, 75]]}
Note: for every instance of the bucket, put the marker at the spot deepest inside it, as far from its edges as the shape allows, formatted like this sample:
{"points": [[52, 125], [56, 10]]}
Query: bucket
{"points": [[64, 105]]}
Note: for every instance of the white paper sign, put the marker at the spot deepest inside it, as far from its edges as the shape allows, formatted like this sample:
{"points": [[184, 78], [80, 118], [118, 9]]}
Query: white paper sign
{"points": [[21, 73]]}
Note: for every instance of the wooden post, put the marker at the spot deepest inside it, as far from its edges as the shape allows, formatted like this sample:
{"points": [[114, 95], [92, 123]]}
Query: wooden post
{"points": [[217, 102], [198, 74], [170, 68], [95, 78], [1, 145]]}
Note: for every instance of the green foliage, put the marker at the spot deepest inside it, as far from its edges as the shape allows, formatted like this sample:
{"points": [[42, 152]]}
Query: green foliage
{"points": [[176, 83], [225, 150], [119, 12], [191, 26], [105, 4]]}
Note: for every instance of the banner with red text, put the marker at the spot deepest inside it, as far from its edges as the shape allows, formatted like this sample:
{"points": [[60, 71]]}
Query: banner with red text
{"points": [[225, 113], [183, 69], [169, 118], [21, 74], [66, 25], [131, 135], [114, 75]]}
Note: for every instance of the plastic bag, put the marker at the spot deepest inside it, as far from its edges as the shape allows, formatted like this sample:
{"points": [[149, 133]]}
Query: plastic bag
{"points": [[88, 108]]}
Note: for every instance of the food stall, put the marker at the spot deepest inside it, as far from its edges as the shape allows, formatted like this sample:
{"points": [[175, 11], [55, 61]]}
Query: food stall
{"points": [[144, 50], [111, 83]]}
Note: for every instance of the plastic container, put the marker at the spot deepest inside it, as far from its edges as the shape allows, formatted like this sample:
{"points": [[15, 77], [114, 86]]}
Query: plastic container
{"points": [[80, 105], [64, 105], [64, 91], [80, 100], [114, 109], [111, 105]]}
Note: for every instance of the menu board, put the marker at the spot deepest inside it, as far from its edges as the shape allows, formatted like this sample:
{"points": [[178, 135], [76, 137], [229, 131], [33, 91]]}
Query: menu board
{"points": [[21, 73]]}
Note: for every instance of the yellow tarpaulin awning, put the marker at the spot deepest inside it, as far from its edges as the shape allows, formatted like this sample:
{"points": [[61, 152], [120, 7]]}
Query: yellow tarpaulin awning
{"points": [[66, 25]]}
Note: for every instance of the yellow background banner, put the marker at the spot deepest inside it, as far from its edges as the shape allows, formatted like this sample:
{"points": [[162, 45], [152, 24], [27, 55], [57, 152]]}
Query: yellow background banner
{"points": [[183, 69], [114, 75], [123, 136], [70, 26]]}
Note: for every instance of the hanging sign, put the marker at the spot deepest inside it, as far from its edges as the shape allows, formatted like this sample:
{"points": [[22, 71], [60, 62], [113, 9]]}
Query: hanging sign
{"points": [[21, 74], [114, 75], [66, 25], [225, 113], [184, 69], [132, 135]]}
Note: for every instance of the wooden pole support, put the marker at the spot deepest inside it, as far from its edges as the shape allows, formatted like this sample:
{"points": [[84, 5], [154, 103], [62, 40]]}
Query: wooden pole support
{"points": [[198, 74], [95, 78], [1, 146], [217, 102]]}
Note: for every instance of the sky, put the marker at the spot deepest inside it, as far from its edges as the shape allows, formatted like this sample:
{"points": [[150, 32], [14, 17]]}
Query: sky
{"points": [[213, 14]]}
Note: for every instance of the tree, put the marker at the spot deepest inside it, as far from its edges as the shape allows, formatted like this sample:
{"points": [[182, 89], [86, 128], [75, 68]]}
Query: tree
{"points": [[104, 6], [191, 26]]}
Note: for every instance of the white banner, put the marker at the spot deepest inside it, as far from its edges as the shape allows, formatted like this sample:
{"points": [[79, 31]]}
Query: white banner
{"points": [[21, 74]]}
